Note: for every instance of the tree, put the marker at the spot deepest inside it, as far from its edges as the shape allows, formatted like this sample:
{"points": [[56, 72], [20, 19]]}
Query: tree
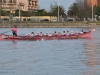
{"points": [[73, 10], [97, 10], [84, 10], [54, 10]]}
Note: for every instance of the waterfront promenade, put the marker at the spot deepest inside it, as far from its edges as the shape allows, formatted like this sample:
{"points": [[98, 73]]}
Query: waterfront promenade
{"points": [[48, 24]]}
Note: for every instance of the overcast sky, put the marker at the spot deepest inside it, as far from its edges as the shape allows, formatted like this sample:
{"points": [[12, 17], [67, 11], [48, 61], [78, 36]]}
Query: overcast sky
{"points": [[45, 4]]}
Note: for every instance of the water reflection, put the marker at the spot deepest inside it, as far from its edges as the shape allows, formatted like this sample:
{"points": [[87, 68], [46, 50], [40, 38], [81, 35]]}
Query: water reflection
{"points": [[93, 61], [14, 41]]}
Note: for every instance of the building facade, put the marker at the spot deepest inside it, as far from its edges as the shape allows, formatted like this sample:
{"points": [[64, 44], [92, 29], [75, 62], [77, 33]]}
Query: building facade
{"points": [[25, 5], [99, 2], [89, 2]]}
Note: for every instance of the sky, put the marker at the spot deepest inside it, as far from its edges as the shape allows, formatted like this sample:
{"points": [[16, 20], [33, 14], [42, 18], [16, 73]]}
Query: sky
{"points": [[45, 4]]}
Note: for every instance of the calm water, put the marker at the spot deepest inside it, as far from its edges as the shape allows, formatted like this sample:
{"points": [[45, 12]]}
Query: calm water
{"points": [[52, 57]]}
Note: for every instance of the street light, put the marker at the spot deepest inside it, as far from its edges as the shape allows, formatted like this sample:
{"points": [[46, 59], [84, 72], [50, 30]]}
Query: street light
{"points": [[19, 11], [99, 18], [95, 17], [0, 8], [92, 10], [58, 10]]}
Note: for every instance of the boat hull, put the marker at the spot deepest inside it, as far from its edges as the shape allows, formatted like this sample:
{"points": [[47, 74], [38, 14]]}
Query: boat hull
{"points": [[79, 36]]}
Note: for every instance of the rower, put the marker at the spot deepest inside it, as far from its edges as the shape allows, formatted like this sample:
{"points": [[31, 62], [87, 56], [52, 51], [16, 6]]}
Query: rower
{"points": [[30, 34], [46, 34], [59, 34], [64, 34], [55, 34], [67, 33], [81, 32], [72, 33], [50, 34], [40, 34], [37, 34]]}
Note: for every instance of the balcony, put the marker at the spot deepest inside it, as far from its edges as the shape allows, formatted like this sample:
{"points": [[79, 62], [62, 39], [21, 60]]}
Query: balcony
{"points": [[10, 2], [9, 8], [4, 2]]}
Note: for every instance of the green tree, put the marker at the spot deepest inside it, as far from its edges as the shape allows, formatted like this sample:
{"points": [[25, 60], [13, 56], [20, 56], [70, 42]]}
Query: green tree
{"points": [[73, 10], [97, 10], [40, 12], [54, 10]]}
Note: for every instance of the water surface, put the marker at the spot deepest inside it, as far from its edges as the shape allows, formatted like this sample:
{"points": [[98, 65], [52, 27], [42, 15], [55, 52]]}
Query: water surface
{"points": [[50, 57]]}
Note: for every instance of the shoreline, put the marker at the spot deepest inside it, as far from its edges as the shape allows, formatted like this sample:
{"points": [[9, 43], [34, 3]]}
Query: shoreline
{"points": [[49, 24]]}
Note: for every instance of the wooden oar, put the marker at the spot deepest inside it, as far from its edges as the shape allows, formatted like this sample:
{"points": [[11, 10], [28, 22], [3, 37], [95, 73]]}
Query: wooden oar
{"points": [[5, 32], [21, 34]]}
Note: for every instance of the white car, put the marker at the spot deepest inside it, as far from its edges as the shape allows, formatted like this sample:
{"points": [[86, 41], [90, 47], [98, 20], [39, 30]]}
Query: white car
{"points": [[54, 20]]}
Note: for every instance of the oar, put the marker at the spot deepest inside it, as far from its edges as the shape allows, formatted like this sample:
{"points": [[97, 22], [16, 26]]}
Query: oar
{"points": [[5, 32], [93, 30], [22, 34]]}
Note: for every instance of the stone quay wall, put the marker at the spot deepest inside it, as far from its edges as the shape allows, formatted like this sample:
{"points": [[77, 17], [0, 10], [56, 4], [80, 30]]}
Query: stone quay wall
{"points": [[48, 25]]}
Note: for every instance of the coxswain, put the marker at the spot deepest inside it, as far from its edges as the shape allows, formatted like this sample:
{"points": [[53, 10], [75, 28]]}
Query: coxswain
{"points": [[14, 31]]}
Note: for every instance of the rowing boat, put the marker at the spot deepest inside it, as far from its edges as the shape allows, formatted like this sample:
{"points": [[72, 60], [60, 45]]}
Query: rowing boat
{"points": [[86, 35]]}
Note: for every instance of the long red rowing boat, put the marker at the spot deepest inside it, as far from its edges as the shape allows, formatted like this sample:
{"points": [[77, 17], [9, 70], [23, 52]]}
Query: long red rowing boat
{"points": [[86, 35]]}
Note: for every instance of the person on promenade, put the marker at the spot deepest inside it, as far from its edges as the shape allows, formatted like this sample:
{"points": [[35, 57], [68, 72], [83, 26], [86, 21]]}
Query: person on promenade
{"points": [[14, 31]]}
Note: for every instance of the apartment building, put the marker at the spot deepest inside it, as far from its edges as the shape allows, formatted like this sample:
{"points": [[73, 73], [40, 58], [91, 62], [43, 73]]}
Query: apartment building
{"points": [[99, 2], [95, 2], [25, 5]]}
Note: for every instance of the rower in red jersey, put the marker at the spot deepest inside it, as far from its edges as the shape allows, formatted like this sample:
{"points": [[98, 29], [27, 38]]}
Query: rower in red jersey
{"points": [[59, 34]]}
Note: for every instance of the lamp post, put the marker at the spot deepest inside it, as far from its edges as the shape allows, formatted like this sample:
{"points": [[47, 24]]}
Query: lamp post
{"points": [[0, 8], [95, 17], [92, 10], [19, 10], [99, 18], [58, 10]]}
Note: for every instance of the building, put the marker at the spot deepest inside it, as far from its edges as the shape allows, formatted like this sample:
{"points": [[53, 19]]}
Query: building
{"points": [[95, 2], [99, 2], [25, 5]]}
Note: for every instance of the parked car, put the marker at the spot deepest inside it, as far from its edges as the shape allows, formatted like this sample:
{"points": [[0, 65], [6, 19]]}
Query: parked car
{"points": [[70, 19], [5, 19], [45, 20], [54, 20], [89, 19]]}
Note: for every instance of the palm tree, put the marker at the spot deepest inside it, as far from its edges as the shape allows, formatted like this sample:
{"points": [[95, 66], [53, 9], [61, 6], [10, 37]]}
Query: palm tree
{"points": [[73, 10], [54, 10], [97, 10]]}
